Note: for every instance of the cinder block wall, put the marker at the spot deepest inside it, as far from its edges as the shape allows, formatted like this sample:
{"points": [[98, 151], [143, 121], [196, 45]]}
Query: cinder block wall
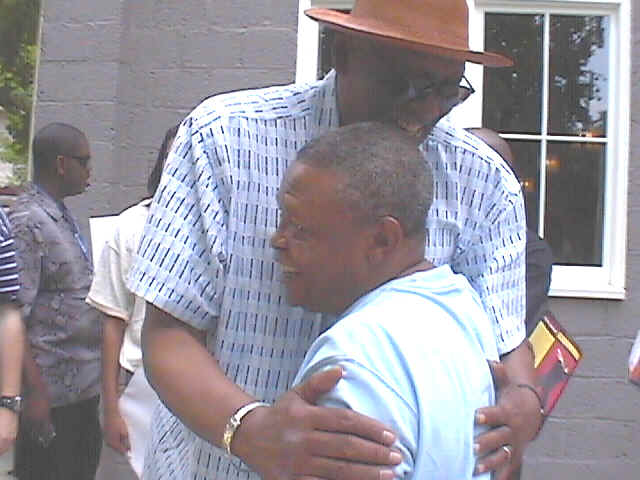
{"points": [[124, 71], [78, 84]]}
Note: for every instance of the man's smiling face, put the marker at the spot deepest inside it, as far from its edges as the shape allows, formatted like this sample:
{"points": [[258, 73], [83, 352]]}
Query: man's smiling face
{"points": [[320, 243]]}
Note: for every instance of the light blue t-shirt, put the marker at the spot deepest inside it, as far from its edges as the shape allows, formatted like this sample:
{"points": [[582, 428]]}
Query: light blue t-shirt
{"points": [[414, 351]]}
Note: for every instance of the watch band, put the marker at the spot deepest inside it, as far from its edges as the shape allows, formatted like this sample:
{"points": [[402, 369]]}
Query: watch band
{"points": [[235, 421], [13, 403]]}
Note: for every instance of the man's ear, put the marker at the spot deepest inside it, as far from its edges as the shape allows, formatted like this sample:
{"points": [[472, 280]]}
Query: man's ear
{"points": [[60, 165], [385, 239]]}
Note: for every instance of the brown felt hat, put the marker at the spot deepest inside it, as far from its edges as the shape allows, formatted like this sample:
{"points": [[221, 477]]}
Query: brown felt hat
{"points": [[438, 27]]}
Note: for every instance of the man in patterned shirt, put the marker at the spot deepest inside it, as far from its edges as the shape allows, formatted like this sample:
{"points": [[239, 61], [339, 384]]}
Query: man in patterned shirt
{"points": [[60, 434], [219, 334], [11, 339]]}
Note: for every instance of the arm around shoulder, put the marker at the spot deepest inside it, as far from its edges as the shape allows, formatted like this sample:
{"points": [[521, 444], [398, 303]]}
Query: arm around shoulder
{"points": [[186, 376]]}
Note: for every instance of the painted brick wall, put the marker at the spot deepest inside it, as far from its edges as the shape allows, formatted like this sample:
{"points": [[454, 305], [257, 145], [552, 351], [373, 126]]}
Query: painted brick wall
{"points": [[126, 70], [77, 84]]}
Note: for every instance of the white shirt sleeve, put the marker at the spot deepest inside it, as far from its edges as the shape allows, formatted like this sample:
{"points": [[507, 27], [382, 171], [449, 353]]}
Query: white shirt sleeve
{"points": [[108, 292]]}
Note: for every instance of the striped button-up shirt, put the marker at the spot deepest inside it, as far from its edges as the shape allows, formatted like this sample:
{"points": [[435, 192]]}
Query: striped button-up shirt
{"points": [[9, 282], [205, 256]]}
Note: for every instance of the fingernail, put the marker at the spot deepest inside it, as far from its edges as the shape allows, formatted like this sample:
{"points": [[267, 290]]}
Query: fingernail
{"points": [[388, 437], [480, 418], [481, 468], [395, 458], [476, 448], [387, 475]]}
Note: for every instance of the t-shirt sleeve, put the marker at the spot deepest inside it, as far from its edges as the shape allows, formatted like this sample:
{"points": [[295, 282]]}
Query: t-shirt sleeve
{"points": [[363, 391], [9, 279], [108, 292], [30, 248], [181, 260]]}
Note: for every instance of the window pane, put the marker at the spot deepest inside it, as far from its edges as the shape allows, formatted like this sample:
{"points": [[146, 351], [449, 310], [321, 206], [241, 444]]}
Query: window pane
{"points": [[526, 164], [513, 96], [578, 80], [574, 202]]}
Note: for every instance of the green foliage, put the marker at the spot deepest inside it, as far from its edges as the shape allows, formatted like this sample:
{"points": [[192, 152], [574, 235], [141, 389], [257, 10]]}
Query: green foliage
{"points": [[18, 53]]}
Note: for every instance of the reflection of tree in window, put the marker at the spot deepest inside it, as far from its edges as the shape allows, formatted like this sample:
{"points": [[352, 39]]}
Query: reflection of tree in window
{"points": [[575, 199], [576, 87], [513, 96]]}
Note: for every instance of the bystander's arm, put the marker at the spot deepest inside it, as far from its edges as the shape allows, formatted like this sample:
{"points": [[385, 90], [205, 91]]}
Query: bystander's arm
{"points": [[287, 440], [37, 405], [115, 429], [12, 339]]}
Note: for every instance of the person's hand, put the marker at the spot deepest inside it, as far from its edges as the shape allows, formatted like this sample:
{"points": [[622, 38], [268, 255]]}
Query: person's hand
{"points": [[294, 439], [513, 423], [8, 429], [115, 432], [37, 414]]}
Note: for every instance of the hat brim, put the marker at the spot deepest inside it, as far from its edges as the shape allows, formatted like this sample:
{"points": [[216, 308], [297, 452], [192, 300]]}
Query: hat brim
{"points": [[403, 39]]}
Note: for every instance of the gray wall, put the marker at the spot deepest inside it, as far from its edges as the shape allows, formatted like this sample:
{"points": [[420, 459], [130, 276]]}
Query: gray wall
{"points": [[124, 71]]}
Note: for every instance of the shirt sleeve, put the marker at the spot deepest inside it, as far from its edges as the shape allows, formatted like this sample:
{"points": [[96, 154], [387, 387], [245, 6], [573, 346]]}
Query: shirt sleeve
{"points": [[493, 260], [363, 391], [9, 280], [29, 244], [181, 260], [109, 292], [539, 268]]}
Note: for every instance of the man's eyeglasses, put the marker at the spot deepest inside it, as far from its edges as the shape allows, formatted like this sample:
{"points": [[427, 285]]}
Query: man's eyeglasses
{"points": [[82, 160], [465, 89]]}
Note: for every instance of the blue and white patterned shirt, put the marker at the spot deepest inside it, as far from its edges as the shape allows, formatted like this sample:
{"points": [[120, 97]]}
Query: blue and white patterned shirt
{"points": [[205, 255]]}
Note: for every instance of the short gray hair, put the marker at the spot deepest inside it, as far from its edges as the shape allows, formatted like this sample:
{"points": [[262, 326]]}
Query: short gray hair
{"points": [[385, 173]]}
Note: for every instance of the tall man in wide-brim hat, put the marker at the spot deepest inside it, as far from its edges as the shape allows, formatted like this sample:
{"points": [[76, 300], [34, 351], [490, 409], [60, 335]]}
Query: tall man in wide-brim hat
{"points": [[221, 346]]}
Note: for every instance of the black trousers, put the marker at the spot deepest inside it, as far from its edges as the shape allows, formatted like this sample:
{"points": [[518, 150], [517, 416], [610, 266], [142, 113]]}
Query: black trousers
{"points": [[74, 452]]}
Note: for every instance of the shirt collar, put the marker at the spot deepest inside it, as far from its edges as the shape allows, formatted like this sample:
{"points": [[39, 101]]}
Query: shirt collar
{"points": [[54, 208]]}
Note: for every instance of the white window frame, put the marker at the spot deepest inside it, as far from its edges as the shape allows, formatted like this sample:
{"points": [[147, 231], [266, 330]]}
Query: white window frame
{"points": [[607, 281]]}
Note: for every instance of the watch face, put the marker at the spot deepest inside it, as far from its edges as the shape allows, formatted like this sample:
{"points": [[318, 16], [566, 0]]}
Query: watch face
{"points": [[12, 403]]}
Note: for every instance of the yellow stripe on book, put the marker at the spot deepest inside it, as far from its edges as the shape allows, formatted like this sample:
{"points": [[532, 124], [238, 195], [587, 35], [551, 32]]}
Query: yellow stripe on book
{"points": [[569, 346], [542, 340]]}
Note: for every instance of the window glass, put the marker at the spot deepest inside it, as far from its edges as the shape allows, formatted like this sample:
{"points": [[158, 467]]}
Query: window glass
{"points": [[513, 96], [575, 202], [526, 164], [578, 64], [563, 60]]}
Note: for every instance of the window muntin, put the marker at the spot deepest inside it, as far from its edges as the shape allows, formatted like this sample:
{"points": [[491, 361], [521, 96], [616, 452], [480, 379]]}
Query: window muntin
{"points": [[574, 50]]}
